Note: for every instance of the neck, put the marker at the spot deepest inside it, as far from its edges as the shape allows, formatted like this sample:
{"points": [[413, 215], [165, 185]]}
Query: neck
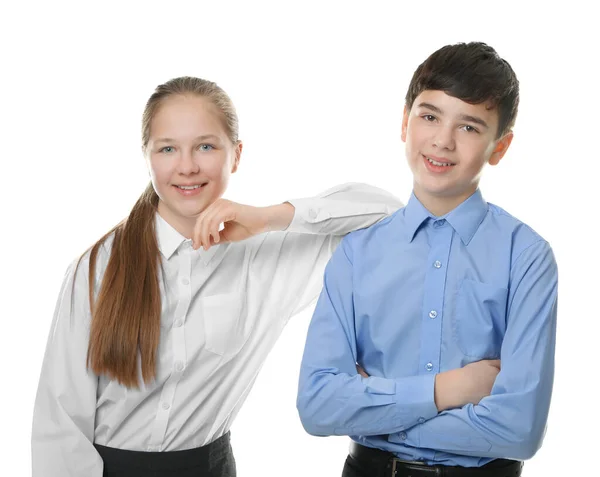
{"points": [[183, 225], [440, 205]]}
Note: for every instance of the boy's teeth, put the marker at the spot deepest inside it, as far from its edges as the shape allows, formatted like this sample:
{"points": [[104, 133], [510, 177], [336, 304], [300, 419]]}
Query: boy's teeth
{"points": [[436, 163]]}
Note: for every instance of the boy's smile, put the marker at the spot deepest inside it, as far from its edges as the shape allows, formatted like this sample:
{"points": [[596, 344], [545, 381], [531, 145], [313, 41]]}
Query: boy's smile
{"points": [[448, 142]]}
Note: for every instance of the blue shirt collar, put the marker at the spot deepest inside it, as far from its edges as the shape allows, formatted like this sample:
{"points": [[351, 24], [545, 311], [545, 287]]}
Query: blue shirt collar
{"points": [[464, 219]]}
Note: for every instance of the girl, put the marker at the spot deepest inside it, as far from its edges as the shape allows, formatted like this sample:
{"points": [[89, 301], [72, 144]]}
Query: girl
{"points": [[162, 326]]}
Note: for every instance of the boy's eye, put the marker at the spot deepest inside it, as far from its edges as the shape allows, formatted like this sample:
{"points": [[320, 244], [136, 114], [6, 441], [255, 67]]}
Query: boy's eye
{"points": [[428, 117], [167, 149], [205, 147], [469, 128]]}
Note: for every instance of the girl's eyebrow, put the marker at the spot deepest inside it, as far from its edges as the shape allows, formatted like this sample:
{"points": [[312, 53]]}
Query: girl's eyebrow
{"points": [[199, 138]]}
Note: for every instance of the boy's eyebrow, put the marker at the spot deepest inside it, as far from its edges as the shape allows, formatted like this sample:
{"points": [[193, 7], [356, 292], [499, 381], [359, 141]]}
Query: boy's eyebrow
{"points": [[462, 117], [474, 119], [435, 109]]}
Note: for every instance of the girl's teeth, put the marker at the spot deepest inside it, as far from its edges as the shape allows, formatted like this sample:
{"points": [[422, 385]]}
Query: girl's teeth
{"points": [[435, 163], [188, 187]]}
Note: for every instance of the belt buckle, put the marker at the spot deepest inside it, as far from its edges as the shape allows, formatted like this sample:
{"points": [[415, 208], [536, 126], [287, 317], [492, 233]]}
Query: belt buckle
{"points": [[425, 469], [394, 462]]}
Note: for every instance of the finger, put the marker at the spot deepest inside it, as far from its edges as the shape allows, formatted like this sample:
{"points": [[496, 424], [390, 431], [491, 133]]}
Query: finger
{"points": [[361, 371], [214, 233], [207, 225], [223, 216], [197, 232], [200, 222]]}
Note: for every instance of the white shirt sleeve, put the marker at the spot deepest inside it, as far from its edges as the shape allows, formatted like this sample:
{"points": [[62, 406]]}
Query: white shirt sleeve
{"points": [[65, 405], [301, 252]]}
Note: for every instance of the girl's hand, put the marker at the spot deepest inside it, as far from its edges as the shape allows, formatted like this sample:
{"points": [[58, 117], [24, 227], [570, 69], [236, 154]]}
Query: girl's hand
{"points": [[240, 222]]}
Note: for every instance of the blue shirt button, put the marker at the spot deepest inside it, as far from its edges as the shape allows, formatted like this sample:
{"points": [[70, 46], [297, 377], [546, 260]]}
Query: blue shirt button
{"points": [[402, 436], [429, 366], [421, 420], [437, 264], [432, 314]]}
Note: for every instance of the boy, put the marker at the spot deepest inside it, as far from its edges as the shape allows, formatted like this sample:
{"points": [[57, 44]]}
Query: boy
{"points": [[447, 308]]}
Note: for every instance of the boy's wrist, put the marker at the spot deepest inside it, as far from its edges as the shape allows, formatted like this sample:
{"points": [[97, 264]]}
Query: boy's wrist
{"points": [[447, 390]]}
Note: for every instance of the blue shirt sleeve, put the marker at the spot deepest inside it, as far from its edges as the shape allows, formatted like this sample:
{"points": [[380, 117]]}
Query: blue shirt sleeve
{"points": [[333, 399], [510, 423]]}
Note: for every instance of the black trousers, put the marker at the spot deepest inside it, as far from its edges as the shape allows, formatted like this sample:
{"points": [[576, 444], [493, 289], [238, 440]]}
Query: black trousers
{"points": [[213, 460], [366, 462]]}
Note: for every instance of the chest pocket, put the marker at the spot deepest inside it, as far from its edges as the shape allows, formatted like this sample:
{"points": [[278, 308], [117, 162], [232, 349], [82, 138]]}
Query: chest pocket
{"points": [[479, 322], [224, 327]]}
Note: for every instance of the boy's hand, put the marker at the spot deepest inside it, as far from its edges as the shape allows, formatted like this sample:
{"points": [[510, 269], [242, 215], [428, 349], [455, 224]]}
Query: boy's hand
{"points": [[479, 378], [240, 222], [457, 387], [361, 371]]}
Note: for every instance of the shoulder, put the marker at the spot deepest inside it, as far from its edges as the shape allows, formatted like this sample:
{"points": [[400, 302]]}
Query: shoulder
{"points": [[375, 235], [79, 267], [523, 237]]}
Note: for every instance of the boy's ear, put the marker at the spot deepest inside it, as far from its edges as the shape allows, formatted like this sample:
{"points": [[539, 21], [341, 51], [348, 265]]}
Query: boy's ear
{"points": [[500, 149], [404, 123]]}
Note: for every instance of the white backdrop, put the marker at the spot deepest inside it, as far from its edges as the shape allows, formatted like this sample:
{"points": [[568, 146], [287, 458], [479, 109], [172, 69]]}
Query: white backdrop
{"points": [[319, 88]]}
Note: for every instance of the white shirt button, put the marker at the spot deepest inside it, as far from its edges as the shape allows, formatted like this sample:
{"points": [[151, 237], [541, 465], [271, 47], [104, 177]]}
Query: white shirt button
{"points": [[437, 264], [178, 366], [166, 406], [432, 314], [178, 323], [312, 213], [429, 366], [185, 281]]}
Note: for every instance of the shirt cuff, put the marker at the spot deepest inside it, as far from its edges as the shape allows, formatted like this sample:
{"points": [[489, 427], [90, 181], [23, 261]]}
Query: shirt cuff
{"points": [[308, 216], [415, 398]]}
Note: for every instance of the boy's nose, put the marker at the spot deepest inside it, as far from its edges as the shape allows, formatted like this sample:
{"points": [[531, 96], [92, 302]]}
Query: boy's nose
{"points": [[444, 139]]}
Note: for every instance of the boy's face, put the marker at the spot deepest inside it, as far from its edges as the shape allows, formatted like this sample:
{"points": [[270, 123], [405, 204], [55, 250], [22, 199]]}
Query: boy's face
{"points": [[448, 142]]}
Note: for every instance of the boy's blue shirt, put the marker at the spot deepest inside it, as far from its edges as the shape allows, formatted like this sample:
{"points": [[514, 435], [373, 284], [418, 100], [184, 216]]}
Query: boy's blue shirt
{"points": [[415, 295]]}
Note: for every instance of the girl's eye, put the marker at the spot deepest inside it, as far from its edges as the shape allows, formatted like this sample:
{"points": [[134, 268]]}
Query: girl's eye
{"points": [[205, 147], [167, 149]]}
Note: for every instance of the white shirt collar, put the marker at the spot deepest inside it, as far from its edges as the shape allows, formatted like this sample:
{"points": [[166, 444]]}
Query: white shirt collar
{"points": [[169, 241]]}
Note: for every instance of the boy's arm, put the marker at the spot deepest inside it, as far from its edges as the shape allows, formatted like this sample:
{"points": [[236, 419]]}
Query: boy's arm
{"points": [[510, 423], [333, 399]]}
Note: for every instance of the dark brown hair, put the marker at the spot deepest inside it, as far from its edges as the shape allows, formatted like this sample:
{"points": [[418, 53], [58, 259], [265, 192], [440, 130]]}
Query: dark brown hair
{"points": [[126, 312], [474, 73]]}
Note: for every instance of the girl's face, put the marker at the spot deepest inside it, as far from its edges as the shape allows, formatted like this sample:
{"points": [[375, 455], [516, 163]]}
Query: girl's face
{"points": [[190, 158]]}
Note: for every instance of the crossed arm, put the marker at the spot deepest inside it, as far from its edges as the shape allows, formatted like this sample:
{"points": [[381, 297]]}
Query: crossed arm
{"points": [[474, 410]]}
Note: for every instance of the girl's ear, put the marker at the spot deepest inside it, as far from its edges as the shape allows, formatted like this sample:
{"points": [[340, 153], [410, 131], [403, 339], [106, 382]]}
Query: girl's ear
{"points": [[237, 154]]}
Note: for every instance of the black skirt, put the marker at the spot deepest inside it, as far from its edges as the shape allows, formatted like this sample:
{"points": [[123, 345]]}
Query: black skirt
{"points": [[213, 460]]}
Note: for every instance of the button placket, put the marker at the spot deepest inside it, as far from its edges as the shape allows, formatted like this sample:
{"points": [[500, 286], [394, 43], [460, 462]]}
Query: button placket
{"points": [[440, 241], [183, 296]]}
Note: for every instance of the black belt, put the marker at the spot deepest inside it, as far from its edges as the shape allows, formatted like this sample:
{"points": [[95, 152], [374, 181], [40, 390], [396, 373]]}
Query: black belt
{"points": [[203, 460], [390, 466]]}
